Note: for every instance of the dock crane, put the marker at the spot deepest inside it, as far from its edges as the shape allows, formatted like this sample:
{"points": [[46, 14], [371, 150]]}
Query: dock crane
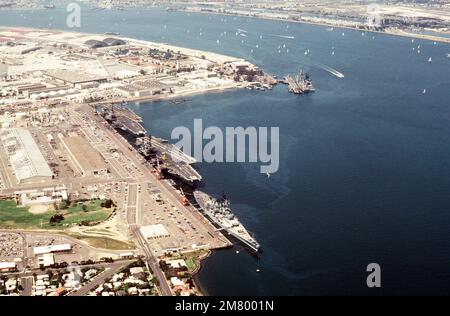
{"points": [[184, 199]]}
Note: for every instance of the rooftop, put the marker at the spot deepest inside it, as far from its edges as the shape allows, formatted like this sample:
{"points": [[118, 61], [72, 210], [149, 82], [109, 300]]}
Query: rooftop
{"points": [[73, 77], [87, 158], [52, 248], [7, 265], [24, 154]]}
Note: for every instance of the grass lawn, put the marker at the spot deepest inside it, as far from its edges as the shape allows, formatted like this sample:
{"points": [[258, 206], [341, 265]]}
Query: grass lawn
{"points": [[104, 242], [12, 216], [192, 259], [190, 264]]}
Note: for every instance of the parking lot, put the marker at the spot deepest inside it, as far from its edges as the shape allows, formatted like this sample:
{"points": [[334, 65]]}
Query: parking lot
{"points": [[11, 246]]}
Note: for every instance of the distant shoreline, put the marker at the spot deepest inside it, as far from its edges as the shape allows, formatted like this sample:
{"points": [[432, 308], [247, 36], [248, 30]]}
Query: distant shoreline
{"points": [[394, 32], [23, 9]]}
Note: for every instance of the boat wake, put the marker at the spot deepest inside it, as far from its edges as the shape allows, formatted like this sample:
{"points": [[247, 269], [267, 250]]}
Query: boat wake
{"points": [[330, 70], [244, 33], [281, 36]]}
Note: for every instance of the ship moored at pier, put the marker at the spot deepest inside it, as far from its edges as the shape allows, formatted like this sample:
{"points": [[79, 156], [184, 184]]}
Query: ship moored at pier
{"points": [[220, 214]]}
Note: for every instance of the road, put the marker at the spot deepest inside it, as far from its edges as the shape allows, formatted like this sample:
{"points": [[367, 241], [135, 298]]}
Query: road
{"points": [[29, 273], [132, 219], [152, 261], [98, 280], [134, 178], [27, 284]]}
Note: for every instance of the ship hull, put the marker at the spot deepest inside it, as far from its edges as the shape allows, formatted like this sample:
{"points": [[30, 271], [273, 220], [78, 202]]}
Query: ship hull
{"points": [[202, 200]]}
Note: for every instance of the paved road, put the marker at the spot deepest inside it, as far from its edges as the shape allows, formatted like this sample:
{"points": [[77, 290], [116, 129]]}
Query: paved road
{"points": [[152, 261], [100, 279], [132, 203], [132, 206], [27, 284]]}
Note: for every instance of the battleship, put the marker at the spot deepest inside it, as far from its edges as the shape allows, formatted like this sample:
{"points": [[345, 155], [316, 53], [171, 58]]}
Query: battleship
{"points": [[299, 84], [219, 212]]}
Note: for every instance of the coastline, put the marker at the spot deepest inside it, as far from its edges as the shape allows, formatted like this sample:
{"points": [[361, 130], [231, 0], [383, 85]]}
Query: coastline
{"points": [[198, 286], [389, 31], [23, 9], [187, 91], [165, 97]]}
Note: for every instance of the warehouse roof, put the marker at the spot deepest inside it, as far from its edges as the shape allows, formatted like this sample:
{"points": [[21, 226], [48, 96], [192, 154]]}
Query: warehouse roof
{"points": [[72, 76], [87, 158], [154, 231], [110, 41], [49, 249], [7, 265], [24, 154], [95, 44]]}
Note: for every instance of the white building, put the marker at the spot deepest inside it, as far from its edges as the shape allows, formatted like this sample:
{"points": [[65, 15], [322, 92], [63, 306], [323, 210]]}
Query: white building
{"points": [[179, 263], [7, 266], [176, 282], [46, 260], [41, 197], [154, 231], [26, 159], [52, 249], [136, 270]]}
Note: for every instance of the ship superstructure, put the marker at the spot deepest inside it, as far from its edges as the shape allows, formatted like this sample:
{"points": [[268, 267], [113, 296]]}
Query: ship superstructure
{"points": [[219, 212], [300, 83]]}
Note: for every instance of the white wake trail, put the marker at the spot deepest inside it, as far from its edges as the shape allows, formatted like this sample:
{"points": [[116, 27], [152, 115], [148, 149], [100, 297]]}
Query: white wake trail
{"points": [[332, 71]]}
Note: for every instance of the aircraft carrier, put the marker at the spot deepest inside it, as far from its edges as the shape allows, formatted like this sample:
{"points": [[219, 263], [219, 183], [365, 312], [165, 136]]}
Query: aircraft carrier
{"points": [[175, 162], [299, 84], [167, 158], [122, 118]]}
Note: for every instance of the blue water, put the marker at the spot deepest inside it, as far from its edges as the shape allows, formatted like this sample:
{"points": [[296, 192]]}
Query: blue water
{"points": [[365, 169]]}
